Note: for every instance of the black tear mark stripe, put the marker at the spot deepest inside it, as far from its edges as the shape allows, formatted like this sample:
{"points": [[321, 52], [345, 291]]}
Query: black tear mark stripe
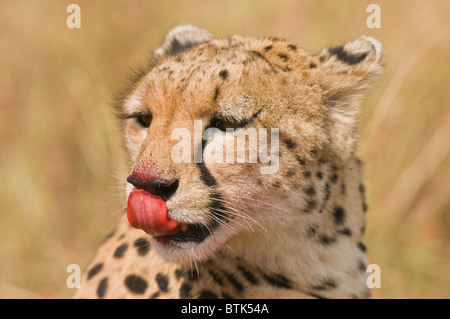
{"points": [[344, 56], [205, 175]]}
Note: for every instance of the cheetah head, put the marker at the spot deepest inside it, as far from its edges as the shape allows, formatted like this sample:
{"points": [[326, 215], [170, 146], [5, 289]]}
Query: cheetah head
{"points": [[219, 131]]}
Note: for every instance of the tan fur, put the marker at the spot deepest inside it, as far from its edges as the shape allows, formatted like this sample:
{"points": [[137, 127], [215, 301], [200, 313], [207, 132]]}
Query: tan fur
{"points": [[293, 234]]}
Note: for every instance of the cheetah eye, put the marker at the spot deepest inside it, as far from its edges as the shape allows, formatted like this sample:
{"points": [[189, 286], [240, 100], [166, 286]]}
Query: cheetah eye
{"points": [[143, 120], [222, 124]]}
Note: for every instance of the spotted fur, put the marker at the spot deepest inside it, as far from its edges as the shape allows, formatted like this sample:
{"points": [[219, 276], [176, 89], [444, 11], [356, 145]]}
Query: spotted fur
{"points": [[297, 233]]}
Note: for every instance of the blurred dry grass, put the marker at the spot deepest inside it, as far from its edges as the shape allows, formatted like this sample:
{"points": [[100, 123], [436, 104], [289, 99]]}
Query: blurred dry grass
{"points": [[61, 165]]}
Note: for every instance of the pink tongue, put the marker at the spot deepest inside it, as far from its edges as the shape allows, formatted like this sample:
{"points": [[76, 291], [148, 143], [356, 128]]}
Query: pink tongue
{"points": [[149, 213]]}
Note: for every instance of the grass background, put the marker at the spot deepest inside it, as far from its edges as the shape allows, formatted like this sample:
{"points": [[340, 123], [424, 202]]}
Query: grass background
{"points": [[61, 164]]}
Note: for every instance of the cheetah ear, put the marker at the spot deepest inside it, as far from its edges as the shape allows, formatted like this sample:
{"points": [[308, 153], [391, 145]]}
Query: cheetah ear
{"points": [[182, 38], [345, 73]]}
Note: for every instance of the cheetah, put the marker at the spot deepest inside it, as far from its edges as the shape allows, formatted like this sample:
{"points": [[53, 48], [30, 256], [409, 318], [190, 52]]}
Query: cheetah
{"points": [[211, 229]]}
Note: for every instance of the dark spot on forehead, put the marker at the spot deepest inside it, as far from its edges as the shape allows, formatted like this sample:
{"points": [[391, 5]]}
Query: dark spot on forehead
{"points": [[283, 57], [257, 54], [290, 173], [289, 143], [223, 74], [334, 178], [300, 160]]}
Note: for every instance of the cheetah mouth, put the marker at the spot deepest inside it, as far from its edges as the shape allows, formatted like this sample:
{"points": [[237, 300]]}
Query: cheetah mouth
{"points": [[149, 212], [187, 233]]}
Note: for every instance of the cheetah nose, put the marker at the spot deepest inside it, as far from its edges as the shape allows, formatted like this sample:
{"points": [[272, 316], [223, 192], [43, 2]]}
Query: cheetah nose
{"points": [[149, 212], [156, 186]]}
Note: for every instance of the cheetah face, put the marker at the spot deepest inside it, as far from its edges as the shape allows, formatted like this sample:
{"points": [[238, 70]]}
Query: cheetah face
{"points": [[193, 186]]}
